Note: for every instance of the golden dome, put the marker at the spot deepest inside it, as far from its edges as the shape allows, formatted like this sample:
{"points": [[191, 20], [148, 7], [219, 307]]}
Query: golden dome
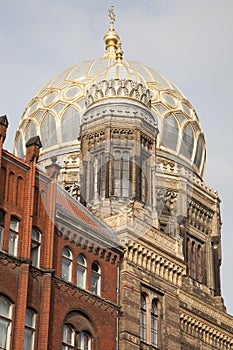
{"points": [[56, 111]]}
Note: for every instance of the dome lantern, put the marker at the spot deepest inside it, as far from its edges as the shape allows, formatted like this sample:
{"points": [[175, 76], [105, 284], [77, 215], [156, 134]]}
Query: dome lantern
{"points": [[111, 38]]}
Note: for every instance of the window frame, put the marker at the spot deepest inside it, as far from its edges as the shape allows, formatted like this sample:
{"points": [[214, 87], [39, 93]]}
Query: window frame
{"points": [[13, 233], [36, 248], [6, 319], [66, 259], [81, 271], [96, 277], [30, 328]]}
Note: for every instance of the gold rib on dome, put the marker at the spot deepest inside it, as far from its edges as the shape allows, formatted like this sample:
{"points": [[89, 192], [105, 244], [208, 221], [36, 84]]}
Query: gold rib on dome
{"points": [[111, 38]]}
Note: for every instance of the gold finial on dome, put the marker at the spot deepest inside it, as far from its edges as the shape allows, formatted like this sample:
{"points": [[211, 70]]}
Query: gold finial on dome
{"points": [[111, 38]]}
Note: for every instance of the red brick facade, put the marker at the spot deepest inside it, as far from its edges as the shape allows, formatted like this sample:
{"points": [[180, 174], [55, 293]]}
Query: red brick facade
{"points": [[35, 280]]}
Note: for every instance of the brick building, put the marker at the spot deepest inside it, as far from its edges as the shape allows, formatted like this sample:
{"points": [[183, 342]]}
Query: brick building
{"points": [[111, 239], [58, 264]]}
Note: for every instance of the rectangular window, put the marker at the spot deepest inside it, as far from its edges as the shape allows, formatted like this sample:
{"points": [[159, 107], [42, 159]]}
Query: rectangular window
{"points": [[29, 330], [13, 237]]}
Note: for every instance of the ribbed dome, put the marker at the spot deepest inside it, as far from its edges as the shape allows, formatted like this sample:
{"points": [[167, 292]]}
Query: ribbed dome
{"points": [[55, 112]]}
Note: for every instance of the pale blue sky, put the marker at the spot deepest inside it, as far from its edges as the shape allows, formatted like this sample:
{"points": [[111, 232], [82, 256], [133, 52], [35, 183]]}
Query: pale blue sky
{"points": [[190, 42]]}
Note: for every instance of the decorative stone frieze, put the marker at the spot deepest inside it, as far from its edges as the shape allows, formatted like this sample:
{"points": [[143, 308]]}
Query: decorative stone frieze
{"points": [[118, 88], [154, 262], [205, 332]]}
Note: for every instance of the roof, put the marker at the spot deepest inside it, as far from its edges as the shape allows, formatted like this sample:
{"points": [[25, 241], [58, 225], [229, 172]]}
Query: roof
{"points": [[76, 211]]}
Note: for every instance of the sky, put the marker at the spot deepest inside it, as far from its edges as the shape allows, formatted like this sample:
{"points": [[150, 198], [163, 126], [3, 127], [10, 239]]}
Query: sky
{"points": [[189, 41]]}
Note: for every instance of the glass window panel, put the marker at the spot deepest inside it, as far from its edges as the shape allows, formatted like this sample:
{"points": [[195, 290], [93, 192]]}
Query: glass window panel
{"points": [[81, 272], [68, 337], [5, 323], [170, 133], [13, 237], [30, 131], [143, 319], [154, 323], [199, 152], [19, 146], [70, 123], [187, 142], [66, 264], [84, 341], [28, 339], [48, 131]]}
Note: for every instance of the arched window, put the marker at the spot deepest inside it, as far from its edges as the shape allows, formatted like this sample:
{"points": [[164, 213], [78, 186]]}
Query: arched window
{"points": [[193, 260], [67, 264], [96, 168], [5, 322], [48, 131], [199, 151], [30, 131], [75, 340], [19, 146], [170, 133], [29, 331], [154, 322], [143, 320], [13, 237], [68, 337], [81, 271], [121, 170], [199, 264], [2, 215], [70, 124], [84, 341], [35, 247], [187, 142], [95, 278]]}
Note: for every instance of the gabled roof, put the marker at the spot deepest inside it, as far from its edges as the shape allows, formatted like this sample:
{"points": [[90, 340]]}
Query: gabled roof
{"points": [[69, 206]]}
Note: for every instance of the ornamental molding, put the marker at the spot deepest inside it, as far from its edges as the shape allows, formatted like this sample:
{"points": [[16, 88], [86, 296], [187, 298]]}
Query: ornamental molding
{"points": [[87, 244], [85, 296], [153, 262], [205, 332], [206, 308], [118, 88]]}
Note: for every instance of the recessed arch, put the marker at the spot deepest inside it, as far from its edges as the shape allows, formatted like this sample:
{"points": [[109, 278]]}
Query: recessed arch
{"points": [[170, 132], [48, 131], [70, 123], [187, 143]]}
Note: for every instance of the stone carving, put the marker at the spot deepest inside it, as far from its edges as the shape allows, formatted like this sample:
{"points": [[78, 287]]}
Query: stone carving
{"points": [[118, 88], [205, 332]]}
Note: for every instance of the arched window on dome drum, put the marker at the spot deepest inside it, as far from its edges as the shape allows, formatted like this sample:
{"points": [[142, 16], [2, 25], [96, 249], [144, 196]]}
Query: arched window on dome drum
{"points": [[19, 146], [170, 133], [187, 142], [48, 131], [30, 131], [199, 151], [121, 173], [70, 123]]}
